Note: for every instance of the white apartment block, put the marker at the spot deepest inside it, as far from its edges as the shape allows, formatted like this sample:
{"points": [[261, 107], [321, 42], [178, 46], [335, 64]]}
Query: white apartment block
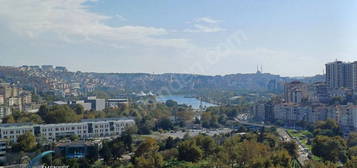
{"points": [[85, 129], [291, 112]]}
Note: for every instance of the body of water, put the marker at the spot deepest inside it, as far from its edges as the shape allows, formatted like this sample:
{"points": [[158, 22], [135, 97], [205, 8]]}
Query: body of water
{"points": [[190, 101]]}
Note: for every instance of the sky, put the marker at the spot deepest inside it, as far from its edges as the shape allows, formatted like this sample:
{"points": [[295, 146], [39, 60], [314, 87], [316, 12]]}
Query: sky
{"points": [[213, 37]]}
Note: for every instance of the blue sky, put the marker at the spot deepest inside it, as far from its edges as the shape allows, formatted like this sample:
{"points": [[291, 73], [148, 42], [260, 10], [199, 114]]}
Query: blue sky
{"points": [[291, 38]]}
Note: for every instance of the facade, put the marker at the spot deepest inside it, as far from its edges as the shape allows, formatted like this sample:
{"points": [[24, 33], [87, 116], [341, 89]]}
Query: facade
{"points": [[291, 112], [2, 99], [3, 150], [86, 106], [115, 103], [84, 129], [61, 69], [346, 116], [47, 67], [319, 93], [4, 111], [96, 104], [341, 75], [78, 149], [259, 112], [354, 75], [295, 92]]}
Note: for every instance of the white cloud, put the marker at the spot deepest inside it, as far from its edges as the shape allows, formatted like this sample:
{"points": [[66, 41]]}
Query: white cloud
{"points": [[120, 17], [207, 20], [71, 20], [204, 24]]}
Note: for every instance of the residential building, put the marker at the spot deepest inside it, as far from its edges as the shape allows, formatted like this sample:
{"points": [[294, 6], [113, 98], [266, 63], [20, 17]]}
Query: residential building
{"points": [[291, 112], [4, 111], [339, 75], [47, 68], [61, 69], [84, 129], [259, 112], [319, 93], [2, 99], [354, 76], [3, 145], [295, 92]]}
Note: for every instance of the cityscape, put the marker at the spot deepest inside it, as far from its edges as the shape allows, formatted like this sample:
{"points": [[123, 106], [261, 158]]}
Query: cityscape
{"points": [[178, 84]]}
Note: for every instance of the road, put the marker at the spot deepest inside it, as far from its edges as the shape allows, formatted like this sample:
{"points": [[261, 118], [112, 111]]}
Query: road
{"points": [[302, 152], [191, 132]]}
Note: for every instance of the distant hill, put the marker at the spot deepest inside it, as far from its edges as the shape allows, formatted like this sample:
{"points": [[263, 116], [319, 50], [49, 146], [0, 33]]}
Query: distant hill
{"points": [[171, 82]]}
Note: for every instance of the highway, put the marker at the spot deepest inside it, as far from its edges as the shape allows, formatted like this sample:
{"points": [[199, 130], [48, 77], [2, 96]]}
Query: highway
{"points": [[302, 153]]}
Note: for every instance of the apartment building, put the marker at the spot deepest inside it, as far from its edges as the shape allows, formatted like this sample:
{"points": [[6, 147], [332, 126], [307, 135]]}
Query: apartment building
{"points": [[84, 129]]}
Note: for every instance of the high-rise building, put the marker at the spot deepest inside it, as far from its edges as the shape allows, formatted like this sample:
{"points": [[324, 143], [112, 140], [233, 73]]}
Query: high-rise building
{"points": [[354, 76], [295, 92], [339, 75]]}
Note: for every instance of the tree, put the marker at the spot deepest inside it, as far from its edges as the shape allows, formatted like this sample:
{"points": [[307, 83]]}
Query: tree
{"points": [[352, 163], [106, 153], [329, 148], [118, 148], [171, 103], [147, 156], [9, 119], [154, 160], [59, 114], [26, 142], [281, 158], [206, 143], [352, 139], [145, 125], [291, 147], [352, 151], [185, 114], [317, 164], [127, 140], [165, 124], [327, 128], [78, 108], [189, 151]]}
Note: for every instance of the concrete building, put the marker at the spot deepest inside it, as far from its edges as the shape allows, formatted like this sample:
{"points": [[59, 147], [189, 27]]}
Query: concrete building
{"points": [[80, 149], [61, 69], [84, 129], [4, 111], [86, 106], [96, 104], [3, 145], [339, 75], [291, 112], [321, 113], [319, 93], [259, 110], [115, 103], [295, 92], [47, 68], [346, 116], [354, 76], [2, 99]]}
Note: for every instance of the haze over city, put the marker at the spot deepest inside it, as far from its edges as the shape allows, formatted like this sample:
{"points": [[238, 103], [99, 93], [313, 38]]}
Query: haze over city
{"points": [[201, 37]]}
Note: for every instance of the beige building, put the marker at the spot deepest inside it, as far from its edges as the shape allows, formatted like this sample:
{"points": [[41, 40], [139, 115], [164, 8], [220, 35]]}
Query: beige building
{"points": [[295, 92]]}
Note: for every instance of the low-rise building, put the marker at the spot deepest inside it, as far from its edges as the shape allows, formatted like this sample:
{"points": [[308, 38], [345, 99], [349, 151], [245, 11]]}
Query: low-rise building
{"points": [[80, 149], [115, 103], [84, 129]]}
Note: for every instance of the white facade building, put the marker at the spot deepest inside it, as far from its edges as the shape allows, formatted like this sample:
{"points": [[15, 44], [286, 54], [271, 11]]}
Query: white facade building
{"points": [[85, 129]]}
